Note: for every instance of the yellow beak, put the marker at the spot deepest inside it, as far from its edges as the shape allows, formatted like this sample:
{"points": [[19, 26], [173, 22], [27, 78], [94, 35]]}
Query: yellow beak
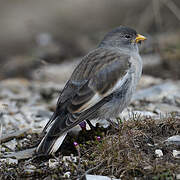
{"points": [[140, 38]]}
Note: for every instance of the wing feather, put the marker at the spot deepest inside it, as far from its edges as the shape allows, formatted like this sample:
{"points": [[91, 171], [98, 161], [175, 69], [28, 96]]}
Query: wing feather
{"points": [[90, 85]]}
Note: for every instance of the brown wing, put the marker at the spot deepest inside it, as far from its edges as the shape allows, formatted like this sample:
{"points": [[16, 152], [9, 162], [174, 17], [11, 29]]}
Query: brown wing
{"points": [[90, 83], [98, 72]]}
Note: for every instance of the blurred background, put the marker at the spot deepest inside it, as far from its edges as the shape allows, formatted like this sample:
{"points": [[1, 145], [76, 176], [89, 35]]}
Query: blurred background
{"points": [[44, 40]]}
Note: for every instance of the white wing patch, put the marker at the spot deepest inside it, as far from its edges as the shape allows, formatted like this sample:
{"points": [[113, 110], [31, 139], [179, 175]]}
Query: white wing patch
{"points": [[94, 100], [120, 82]]}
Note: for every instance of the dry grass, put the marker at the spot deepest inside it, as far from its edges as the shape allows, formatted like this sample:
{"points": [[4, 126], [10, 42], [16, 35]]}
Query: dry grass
{"points": [[130, 151], [125, 153]]}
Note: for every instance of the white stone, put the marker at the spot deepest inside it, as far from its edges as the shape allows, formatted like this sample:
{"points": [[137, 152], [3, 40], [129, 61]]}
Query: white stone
{"points": [[158, 152], [24, 154], [29, 168], [11, 144], [150, 144], [9, 160], [2, 149], [67, 174], [70, 158], [96, 177], [178, 176], [53, 163], [174, 140], [176, 154], [148, 167]]}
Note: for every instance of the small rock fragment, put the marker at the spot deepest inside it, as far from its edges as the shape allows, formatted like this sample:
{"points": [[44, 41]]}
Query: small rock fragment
{"points": [[16, 134], [178, 176], [25, 154], [148, 167], [176, 154], [70, 158], [67, 174], [29, 136], [96, 177], [3, 149], [11, 144], [29, 168], [9, 160], [173, 140], [53, 163], [158, 152]]}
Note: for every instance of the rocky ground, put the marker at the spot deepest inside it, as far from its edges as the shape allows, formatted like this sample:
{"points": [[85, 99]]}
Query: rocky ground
{"points": [[41, 43], [146, 145]]}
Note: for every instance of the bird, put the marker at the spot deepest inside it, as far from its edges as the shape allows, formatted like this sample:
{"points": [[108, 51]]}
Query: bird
{"points": [[100, 87]]}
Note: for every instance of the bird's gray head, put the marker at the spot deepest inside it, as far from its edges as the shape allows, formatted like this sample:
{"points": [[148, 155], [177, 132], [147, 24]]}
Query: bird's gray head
{"points": [[122, 37]]}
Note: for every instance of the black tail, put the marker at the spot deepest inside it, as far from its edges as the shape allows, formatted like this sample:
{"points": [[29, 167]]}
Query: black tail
{"points": [[51, 142]]}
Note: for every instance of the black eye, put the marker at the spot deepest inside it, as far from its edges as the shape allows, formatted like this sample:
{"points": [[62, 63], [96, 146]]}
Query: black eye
{"points": [[127, 36]]}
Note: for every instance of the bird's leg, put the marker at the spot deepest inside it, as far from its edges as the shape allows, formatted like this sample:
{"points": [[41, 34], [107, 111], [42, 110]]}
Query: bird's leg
{"points": [[115, 125]]}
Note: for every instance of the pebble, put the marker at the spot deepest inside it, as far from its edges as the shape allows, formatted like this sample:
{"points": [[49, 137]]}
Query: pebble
{"points": [[148, 167], [158, 152], [96, 177], [67, 174], [70, 158], [173, 140], [176, 154], [177, 176], [11, 144], [53, 163], [25, 154], [9, 160], [29, 168]]}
